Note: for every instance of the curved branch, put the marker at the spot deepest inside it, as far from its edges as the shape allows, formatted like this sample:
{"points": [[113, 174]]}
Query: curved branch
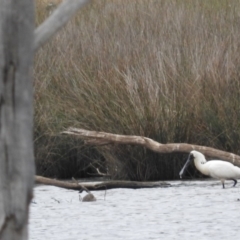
{"points": [[56, 21], [103, 138]]}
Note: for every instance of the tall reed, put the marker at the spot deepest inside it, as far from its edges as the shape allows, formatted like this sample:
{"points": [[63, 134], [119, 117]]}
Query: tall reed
{"points": [[168, 70]]}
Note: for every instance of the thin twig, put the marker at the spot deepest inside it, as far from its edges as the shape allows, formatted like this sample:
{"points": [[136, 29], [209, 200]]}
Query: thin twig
{"points": [[84, 188]]}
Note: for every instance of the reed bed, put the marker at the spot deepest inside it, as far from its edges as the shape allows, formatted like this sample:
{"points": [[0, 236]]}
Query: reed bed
{"points": [[164, 69]]}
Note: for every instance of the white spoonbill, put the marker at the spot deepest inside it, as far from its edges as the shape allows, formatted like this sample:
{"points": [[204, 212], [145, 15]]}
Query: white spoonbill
{"points": [[215, 168]]}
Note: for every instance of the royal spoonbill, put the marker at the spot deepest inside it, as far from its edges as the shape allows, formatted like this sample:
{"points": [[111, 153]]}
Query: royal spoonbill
{"points": [[215, 168]]}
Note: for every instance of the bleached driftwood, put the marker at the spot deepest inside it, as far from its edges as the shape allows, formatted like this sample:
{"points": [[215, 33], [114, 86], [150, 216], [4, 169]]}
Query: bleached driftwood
{"points": [[56, 21], [99, 186], [103, 138]]}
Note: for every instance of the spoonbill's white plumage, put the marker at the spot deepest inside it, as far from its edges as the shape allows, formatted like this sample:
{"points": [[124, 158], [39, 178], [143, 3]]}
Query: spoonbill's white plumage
{"points": [[215, 168]]}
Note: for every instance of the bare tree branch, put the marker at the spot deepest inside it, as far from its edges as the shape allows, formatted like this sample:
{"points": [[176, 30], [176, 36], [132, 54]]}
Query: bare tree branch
{"points": [[99, 186], [99, 173], [57, 20], [103, 138]]}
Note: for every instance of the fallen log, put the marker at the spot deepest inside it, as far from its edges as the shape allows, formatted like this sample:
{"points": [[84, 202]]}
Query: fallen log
{"points": [[99, 186], [103, 138]]}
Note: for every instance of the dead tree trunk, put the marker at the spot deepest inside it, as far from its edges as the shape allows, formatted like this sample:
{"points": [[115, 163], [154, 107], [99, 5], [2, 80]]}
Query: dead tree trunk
{"points": [[16, 116], [17, 46], [103, 138]]}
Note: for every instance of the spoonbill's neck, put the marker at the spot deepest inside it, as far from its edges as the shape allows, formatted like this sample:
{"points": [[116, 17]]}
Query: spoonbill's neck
{"points": [[199, 162]]}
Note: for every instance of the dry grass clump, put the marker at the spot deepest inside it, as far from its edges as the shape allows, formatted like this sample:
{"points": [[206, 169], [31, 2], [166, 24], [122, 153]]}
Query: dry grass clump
{"points": [[168, 70]]}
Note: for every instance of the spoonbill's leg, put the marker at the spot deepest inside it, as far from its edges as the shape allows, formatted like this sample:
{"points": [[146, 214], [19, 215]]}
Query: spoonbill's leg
{"points": [[235, 182], [223, 183]]}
